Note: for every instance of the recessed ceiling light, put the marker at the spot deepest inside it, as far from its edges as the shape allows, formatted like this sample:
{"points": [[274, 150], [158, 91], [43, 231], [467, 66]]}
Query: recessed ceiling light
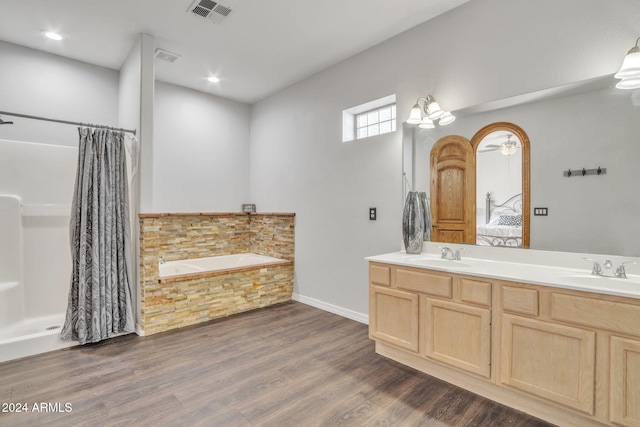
{"points": [[214, 79], [53, 36]]}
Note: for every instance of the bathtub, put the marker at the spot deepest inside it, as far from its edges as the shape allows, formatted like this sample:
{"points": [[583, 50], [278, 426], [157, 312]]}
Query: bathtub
{"points": [[182, 293], [216, 265]]}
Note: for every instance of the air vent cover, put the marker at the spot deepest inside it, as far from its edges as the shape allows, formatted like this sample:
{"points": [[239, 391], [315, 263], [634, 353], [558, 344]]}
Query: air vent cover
{"points": [[165, 55], [210, 10]]}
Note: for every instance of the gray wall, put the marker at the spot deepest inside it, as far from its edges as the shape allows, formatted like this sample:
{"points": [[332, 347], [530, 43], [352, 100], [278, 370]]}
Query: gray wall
{"points": [[200, 152], [482, 51], [41, 84]]}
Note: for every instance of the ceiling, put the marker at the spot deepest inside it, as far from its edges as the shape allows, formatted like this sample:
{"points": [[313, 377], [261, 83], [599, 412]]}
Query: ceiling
{"points": [[260, 48]]}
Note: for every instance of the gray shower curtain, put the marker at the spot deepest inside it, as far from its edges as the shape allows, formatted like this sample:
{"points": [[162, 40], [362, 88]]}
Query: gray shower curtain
{"points": [[99, 303]]}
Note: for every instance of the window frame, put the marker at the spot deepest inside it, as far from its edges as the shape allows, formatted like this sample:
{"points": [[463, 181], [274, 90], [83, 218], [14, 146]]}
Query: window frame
{"points": [[349, 124]]}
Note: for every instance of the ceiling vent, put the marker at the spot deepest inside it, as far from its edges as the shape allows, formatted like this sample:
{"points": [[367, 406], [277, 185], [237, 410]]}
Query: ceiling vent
{"points": [[167, 56], [210, 10]]}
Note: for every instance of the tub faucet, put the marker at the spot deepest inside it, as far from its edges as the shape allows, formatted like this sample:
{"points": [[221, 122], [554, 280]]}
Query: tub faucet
{"points": [[161, 260]]}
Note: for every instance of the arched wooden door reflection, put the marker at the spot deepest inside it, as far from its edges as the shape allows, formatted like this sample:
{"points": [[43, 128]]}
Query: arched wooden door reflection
{"points": [[453, 183], [524, 141]]}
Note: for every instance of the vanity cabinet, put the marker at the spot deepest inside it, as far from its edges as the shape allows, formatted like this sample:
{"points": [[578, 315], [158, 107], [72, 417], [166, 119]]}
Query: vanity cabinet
{"points": [[438, 316], [548, 360], [566, 356], [394, 317], [625, 381], [458, 335]]}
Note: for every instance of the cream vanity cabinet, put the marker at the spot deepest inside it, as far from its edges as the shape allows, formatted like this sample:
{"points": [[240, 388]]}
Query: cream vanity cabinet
{"points": [[434, 316], [570, 357]]}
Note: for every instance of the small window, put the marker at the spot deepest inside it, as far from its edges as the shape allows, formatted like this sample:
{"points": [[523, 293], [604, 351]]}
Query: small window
{"points": [[376, 122], [369, 119]]}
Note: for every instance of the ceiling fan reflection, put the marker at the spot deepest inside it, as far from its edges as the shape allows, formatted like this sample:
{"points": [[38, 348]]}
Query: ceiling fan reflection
{"points": [[507, 148]]}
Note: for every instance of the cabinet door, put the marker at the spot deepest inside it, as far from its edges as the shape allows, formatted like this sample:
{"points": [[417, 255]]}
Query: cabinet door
{"points": [[624, 407], [552, 361], [459, 335], [393, 317]]}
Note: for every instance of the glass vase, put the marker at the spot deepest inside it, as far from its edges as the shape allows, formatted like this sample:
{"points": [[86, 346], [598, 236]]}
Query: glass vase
{"points": [[413, 223]]}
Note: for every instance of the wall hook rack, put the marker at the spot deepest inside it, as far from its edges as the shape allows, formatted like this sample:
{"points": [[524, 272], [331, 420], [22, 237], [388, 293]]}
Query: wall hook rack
{"points": [[584, 172]]}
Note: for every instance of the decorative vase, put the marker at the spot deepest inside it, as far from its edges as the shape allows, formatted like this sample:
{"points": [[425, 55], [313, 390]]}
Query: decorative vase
{"points": [[413, 223], [426, 211]]}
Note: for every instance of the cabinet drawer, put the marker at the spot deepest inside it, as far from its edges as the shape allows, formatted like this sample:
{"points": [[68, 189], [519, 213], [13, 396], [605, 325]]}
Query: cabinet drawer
{"points": [[475, 292], [430, 284], [379, 275], [520, 300], [596, 313]]}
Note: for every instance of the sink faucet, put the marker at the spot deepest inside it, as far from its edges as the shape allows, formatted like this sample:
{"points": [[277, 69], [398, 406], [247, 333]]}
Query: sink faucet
{"points": [[620, 272], [447, 253], [596, 270], [161, 260]]}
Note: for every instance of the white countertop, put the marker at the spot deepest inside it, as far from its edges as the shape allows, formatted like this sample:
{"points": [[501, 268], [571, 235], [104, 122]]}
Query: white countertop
{"points": [[527, 271]]}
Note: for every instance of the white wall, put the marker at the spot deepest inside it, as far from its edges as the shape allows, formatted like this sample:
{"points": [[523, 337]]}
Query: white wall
{"points": [[201, 152], [482, 51]]}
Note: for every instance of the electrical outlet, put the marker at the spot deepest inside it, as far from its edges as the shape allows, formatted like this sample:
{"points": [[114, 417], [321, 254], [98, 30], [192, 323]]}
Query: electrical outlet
{"points": [[373, 214], [541, 211]]}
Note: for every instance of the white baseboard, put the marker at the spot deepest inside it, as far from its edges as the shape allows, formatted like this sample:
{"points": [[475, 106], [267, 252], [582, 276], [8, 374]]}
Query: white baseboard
{"points": [[139, 330], [340, 311]]}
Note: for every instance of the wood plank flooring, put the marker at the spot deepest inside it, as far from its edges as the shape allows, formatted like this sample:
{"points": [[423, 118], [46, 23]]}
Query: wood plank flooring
{"points": [[286, 365]]}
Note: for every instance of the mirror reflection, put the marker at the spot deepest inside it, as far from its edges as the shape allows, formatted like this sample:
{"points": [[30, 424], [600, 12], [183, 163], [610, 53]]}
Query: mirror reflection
{"points": [[588, 125], [499, 190]]}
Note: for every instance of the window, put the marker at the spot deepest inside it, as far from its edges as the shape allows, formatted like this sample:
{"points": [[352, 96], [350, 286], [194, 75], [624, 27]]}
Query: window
{"points": [[375, 122], [369, 119]]}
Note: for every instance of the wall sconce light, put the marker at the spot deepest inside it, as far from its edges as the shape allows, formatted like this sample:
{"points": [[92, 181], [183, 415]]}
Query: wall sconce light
{"points": [[432, 112], [630, 71]]}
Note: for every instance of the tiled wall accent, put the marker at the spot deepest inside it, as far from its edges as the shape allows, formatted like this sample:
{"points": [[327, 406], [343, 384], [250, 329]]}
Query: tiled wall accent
{"points": [[272, 235], [187, 302], [197, 235]]}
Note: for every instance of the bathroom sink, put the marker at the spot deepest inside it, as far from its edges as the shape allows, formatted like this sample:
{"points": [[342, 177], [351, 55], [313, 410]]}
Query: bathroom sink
{"points": [[601, 281], [443, 263]]}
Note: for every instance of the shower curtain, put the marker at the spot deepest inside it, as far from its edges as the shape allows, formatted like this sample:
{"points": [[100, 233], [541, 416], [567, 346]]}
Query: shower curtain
{"points": [[99, 304]]}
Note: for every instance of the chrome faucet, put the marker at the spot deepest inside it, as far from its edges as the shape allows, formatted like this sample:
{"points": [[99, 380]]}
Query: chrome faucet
{"points": [[447, 253], [596, 270], [620, 272]]}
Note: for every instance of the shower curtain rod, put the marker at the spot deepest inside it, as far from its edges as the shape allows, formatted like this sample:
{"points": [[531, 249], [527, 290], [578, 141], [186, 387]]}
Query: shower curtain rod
{"points": [[66, 122]]}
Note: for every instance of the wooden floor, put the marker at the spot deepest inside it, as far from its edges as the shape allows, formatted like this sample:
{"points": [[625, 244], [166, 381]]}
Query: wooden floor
{"points": [[287, 365]]}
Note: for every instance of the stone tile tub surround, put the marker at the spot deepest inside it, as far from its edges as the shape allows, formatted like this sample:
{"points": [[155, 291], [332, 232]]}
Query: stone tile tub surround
{"points": [[183, 236]]}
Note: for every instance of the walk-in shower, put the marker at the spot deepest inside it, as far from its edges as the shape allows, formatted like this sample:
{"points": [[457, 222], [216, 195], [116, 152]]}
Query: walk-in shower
{"points": [[36, 186]]}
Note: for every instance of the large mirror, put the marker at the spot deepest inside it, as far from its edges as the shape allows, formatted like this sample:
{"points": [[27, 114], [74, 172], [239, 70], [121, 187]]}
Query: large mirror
{"points": [[586, 125]]}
